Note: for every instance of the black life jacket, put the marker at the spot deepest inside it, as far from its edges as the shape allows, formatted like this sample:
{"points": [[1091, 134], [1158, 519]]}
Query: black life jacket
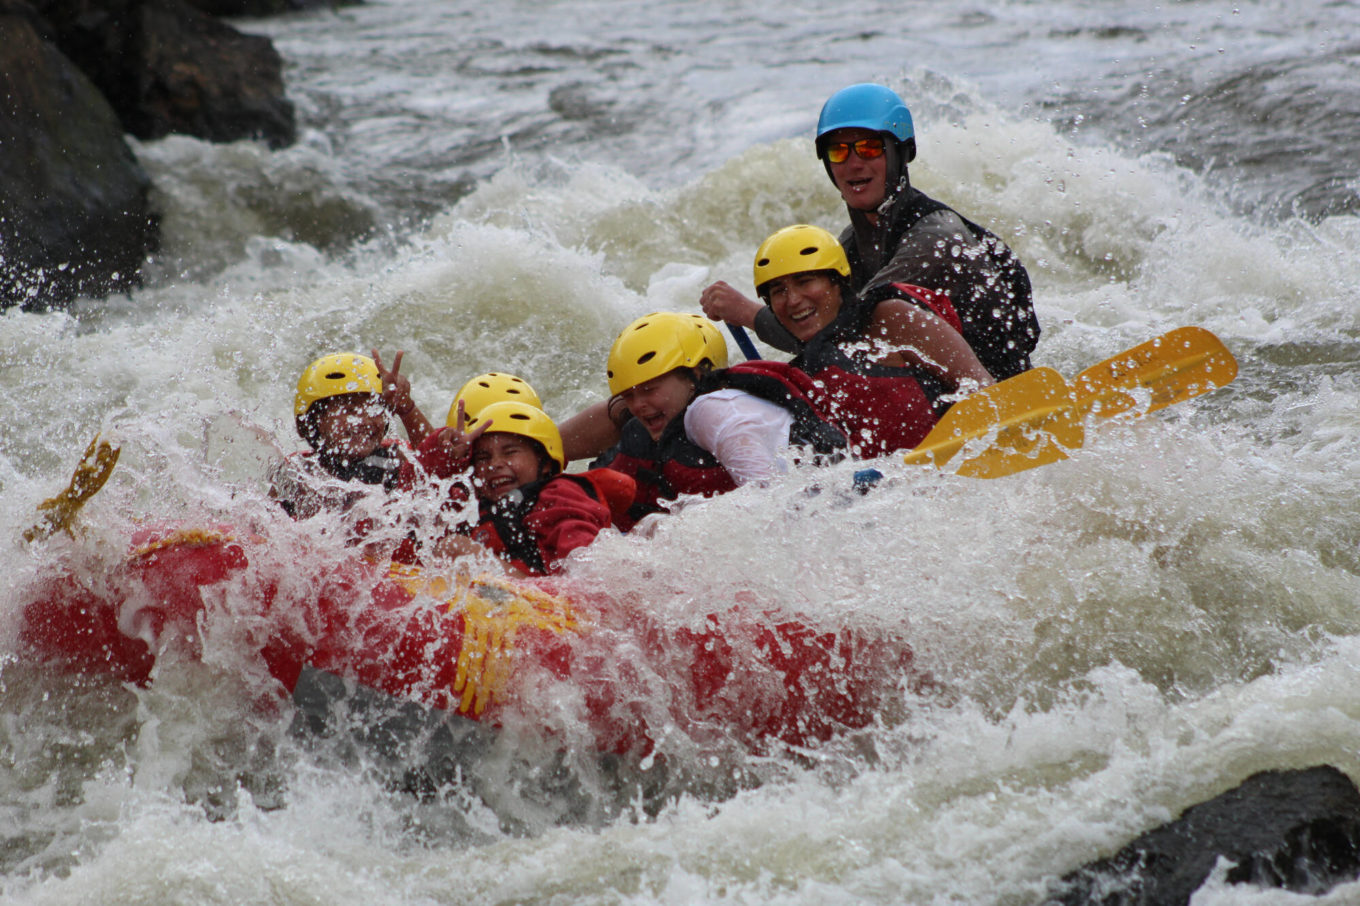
{"points": [[502, 527], [664, 468], [381, 467], [999, 321], [787, 387]]}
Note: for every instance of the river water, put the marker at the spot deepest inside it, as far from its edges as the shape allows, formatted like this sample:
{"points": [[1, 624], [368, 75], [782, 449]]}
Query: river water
{"points": [[503, 186]]}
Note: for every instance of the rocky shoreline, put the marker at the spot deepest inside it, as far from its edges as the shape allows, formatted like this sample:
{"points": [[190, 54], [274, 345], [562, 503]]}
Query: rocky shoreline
{"points": [[79, 75]]}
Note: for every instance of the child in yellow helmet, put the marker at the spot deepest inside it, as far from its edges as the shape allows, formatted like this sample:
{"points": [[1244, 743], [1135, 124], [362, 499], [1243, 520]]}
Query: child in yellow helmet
{"points": [[530, 514], [342, 411]]}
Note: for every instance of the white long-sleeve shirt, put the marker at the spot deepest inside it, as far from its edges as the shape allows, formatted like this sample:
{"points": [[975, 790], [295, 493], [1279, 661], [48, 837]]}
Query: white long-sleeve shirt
{"points": [[748, 435]]}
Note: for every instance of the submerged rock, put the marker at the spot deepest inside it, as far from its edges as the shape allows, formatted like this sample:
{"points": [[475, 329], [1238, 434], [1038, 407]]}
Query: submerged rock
{"points": [[74, 212], [1297, 830]]}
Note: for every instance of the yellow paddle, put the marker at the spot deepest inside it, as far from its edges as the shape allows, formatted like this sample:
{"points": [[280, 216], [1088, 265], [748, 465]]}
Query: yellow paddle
{"points": [[58, 513], [1025, 421], [1174, 367], [1033, 418]]}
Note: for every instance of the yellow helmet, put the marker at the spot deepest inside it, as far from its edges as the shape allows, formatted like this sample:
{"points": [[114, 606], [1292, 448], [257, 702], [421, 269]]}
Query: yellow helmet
{"points": [[335, 375], [655, 345], [715, 347], [492, 387], [524, 420], [798, 249]]}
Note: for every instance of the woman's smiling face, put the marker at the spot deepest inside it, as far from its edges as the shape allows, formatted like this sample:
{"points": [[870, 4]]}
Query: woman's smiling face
{"points": [[804, 303], [657, 402]]}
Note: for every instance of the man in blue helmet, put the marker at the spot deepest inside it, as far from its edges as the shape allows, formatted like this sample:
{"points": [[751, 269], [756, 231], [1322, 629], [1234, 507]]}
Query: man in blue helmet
{"points": [[899, 235]]}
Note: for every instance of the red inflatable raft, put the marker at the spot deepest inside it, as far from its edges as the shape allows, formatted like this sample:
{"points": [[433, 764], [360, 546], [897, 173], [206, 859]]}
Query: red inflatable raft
{"points": [[479, 647]]}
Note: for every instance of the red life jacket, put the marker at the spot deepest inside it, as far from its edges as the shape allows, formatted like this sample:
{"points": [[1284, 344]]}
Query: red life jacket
{"points": [[593, 500], [789, 387], [881, 408], [937, 302], [664, 468], [879, 415]]}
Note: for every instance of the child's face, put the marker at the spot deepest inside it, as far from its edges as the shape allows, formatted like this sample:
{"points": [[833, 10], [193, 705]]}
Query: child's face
{"points": [[502, 463], [350, 426], [656, 402]]}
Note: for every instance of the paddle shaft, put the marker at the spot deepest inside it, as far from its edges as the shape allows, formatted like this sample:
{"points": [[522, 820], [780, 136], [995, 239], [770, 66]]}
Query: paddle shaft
{"points": [[748, 348]]}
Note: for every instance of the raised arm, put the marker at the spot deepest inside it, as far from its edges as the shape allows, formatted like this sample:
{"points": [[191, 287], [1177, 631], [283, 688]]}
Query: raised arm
{"points": [[396, 397], [910, 335], [593, 430], [721, 302]]}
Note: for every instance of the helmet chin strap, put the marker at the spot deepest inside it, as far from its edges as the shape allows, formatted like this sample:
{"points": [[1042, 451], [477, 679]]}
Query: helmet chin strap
{"points": [[894, 173]]}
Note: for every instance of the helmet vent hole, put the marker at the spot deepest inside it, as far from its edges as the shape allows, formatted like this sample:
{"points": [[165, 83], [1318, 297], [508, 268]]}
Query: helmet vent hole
{"points": [[810, 250], [646, 357], [519, 416], [335, 376], [763, 262]]}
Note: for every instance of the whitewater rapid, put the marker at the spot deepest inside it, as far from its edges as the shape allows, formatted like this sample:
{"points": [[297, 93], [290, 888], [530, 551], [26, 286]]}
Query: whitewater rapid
{"points": [[1121, 635]]}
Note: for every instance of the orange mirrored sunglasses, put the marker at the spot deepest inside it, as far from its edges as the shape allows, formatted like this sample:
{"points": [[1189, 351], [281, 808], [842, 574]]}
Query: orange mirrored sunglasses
{"points": [[866, 148]]}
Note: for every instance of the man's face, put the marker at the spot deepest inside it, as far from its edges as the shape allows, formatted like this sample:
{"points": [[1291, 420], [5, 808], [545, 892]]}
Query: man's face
{"points": [[862, 181]]}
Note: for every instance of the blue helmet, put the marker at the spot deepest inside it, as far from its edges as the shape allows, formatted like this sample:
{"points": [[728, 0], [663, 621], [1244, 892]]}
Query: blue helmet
{"points": [[866, 106]]}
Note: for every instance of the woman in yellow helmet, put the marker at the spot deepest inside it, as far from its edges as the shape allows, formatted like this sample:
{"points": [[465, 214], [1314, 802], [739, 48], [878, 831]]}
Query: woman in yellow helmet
{"points": [[887, 366], [696, 426]]}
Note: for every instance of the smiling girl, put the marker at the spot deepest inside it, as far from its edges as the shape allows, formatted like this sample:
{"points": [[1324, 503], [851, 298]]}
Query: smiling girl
{"points": [[883, 369], [530, 514]]}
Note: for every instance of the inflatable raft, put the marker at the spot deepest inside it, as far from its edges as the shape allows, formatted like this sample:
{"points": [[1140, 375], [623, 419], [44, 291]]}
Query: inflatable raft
{"points": [[482, 648]]}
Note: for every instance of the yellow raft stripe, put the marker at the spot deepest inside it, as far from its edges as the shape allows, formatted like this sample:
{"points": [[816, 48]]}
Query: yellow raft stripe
{"points": [[494, 611], [181, 538]]}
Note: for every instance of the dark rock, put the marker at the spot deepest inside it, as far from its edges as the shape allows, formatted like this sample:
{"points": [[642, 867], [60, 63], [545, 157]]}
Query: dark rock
{"points": [[1298, 830], [74, 212], [167, 67], [260, 8]]}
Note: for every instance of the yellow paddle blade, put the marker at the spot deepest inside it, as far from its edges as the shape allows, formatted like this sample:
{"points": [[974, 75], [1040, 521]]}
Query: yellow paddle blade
{"points": [[1174, 367], [58, 513], [1026, 421]]}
